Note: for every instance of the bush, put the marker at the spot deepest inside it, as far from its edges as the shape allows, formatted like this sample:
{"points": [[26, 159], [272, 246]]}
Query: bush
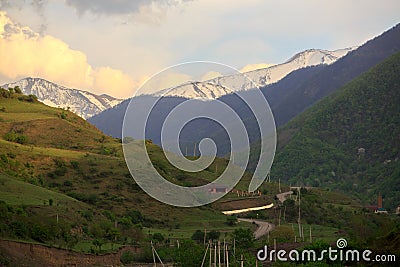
{"points": [[198, 236], [28, 98], [15, 137], [127, 257], [158, 237], [213, 235], [17, 90], [5, 93], [67, 183], [231, 220], [63, 115]]}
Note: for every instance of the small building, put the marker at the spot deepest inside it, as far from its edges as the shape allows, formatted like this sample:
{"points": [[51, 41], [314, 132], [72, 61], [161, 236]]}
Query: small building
{"points": [[398, 210], [372, 207], [381, 210], [218, 189]]}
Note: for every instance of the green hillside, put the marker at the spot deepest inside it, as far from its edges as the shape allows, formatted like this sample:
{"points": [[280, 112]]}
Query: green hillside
{"points": [[52, 161], [349, 141], [65, 184]]}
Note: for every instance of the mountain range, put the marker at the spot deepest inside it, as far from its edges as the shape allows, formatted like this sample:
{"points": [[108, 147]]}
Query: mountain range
{"points": [[82, 103], [287, 98], [86, 104], [223, 85]]}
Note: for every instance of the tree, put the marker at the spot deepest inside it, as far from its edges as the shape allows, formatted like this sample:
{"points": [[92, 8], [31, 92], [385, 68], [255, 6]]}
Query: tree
{"points": [[213, 235], [231, 220], [198, 236], [188, 254], [17, 90], [158, 237], [244, 238]]}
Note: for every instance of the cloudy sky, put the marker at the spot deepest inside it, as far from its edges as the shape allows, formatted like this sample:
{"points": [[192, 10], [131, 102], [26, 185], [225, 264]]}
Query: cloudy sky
{"points": [[112, 47]]}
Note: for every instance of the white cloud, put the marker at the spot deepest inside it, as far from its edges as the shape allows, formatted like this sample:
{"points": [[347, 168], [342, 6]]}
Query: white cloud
{"points": [[256, 66], [140, 38], [26, 53], [211, 75]]}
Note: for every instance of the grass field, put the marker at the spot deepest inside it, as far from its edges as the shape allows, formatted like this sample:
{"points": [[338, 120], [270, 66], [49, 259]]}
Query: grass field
{"points": [[15, 192]]}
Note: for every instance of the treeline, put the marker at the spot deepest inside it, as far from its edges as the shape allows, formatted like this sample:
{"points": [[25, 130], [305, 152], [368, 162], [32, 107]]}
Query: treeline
{"points": [[16, 92]]}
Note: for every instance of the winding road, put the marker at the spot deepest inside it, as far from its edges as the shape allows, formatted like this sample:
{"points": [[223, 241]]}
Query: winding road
{"points": [[262, 229]]}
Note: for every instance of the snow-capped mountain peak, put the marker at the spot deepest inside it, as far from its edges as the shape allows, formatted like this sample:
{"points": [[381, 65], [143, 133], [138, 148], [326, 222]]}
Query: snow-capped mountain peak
{"points": [[83, 103], [217, 87], [197, 90]]}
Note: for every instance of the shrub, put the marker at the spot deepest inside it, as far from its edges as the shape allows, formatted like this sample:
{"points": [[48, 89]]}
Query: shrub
{"points": [[15, 137], [67, 183], [158, 237], [127, 257], [17, 90], [5, 93], [231, 220], [63, 115]]}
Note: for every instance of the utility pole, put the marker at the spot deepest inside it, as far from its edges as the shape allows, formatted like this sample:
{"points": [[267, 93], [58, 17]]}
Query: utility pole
{"points": [[205, 233], [280, 191], [219, 253], [194, 150], [224, 253], [280, 212], [299, 213], [154, 257], [210, 244], [284, 215], [215, 255], [227, 256]]}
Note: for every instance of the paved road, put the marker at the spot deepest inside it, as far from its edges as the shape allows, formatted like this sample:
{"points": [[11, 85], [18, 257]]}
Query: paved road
{"points": [[282, 196], [262, 229]]}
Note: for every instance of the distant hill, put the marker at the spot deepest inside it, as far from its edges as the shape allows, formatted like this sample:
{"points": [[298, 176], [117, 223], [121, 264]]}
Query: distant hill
{"points": [[82, 103], [350, 140]]}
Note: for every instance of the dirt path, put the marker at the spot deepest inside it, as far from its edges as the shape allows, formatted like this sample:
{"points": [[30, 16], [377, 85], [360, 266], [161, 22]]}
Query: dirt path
{"points": [[262, 229], [282, 196]]}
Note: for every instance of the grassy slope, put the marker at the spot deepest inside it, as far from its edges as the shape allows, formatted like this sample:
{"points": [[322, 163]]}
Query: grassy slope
{"points": [[62, 155], [320, 146], [21, 193]]}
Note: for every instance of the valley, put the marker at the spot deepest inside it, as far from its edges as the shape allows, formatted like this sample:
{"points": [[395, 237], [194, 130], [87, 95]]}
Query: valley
{"points": [[69, 197]]}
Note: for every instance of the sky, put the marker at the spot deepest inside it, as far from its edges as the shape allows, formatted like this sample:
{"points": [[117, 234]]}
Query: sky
{"points": [[113, 47]]}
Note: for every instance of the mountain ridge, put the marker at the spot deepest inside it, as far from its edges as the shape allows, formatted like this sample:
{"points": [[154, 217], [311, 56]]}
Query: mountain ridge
{"points": [[81, 102], [259, 77], [348, 141]]}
